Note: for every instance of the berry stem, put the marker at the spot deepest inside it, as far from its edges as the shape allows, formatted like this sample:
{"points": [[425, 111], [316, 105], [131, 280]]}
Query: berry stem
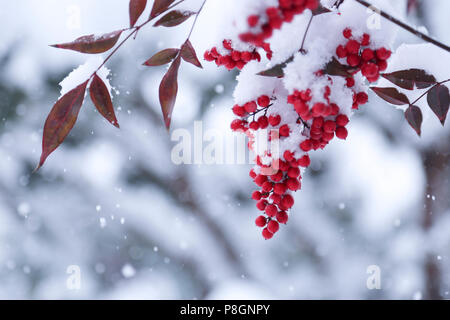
{"points": [[404, 25], [426, 92], [302, 50], [195, 21]]}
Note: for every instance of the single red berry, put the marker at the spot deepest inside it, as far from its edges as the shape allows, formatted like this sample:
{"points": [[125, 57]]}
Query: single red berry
{"points": [[260, 179], [293, 172], [369, 70], [301, 108], [235, 55], [261, 221], [382, 65], [267, 186], [353, 47], [342, 120], [350, 82], [274, 120], [383, 54], [267, 234], [246, 56], [252, 174], [282, 217], [273, 226], [208, 56], [252, 20], [250, 106], [256, 195], [347, 33], [261, 205], [287, 201], [329, 126], [263, 122], [271, 210], [353, 60], [277, 177], [367, 54], [254, 125], [293, 184], [341, 133], [365, 39], [284, 130], [288, 155], [276, 198], [306, 145], [362, 98], [227, 44], [279, 188], [264, 101], [304, 161], [239, 111], [341, 52], [236, 125]]}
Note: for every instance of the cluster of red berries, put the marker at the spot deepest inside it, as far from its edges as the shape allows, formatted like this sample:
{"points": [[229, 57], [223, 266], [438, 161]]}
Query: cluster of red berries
{"points": [[324, 121], [360, 56], [233, 58], [273, 18], [251, 109]]}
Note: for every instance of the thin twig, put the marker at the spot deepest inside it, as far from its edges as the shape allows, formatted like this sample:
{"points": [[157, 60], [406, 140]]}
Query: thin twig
{"points": [[195, 21], [404, 25], [302, 50], [426, 92]]}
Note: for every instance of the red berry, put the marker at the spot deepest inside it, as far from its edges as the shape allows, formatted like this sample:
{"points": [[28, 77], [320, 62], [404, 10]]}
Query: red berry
{"points": [[329, 126], [284, 131], [261, 221], [367, 55], [293, 172], [246, 56], [235, 55], [353, 47], [382, 65], [383, 54], [261, 205], [227, 44], [263, 122], [350, 82], [304, 161], [342, 120], [260, 179], [254, 125], [252, 21], [362, 98], [288, 156], [282, 217], [341, 52], [239, 111], [293, 184], [365, 39], [274, 120], [267, 186], [279, 188], [287, 201], [353, 60], [306, 145], [347, 33], [256, 195], [341, 133], [273, 226], [264, 101], [267, 234], [250, 106], [271, 210], [369, 70], [236, 125]]}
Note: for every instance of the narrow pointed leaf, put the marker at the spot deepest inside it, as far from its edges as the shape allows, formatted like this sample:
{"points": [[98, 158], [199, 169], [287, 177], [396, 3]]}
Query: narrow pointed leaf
{"points": [[173, 18], [391, 95], [160, 6], [101, 98], [335, 68], [409, 79], [414, 117], [162, 57], [92, 44], [61, 120], [189, 55], [168, 90], [320, 10], [439, 99], [136, 9]]}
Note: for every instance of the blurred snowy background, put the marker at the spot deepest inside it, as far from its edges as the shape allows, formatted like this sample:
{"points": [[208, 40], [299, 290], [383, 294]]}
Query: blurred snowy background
{"points": [[137, 226]]}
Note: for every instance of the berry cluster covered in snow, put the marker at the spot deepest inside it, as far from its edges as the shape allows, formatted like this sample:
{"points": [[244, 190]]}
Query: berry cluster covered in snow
{"points": [[306, 107]]}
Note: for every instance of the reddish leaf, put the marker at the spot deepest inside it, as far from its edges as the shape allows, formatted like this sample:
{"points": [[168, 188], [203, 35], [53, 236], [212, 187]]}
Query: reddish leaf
{"points": [[162, 57], [61, 120], [160, 6], [168, 90], [335, 68], [102, 100], [439, 99], [391, 95], [188, 54], [320, 10], [414, 117], [408, 79], [136, 7], [92, 43], [173, 18]]}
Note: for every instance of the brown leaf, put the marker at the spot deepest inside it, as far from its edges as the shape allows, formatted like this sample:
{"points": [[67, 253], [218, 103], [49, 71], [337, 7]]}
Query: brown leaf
{"points": [[391, 95], [188, 54], [320, 10], [408, 79], [168, 90], [136, 9], [173, 18], [61, 120], [162, 57], [335, 68], [439, 99], [160, 6], [102, 100], [414, 117], [92, 44]]}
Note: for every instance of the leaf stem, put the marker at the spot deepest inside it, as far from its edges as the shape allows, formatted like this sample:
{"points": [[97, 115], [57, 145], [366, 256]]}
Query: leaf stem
{"points": [[195, 21], [426, 92], [404, 25], [302, 50]]}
